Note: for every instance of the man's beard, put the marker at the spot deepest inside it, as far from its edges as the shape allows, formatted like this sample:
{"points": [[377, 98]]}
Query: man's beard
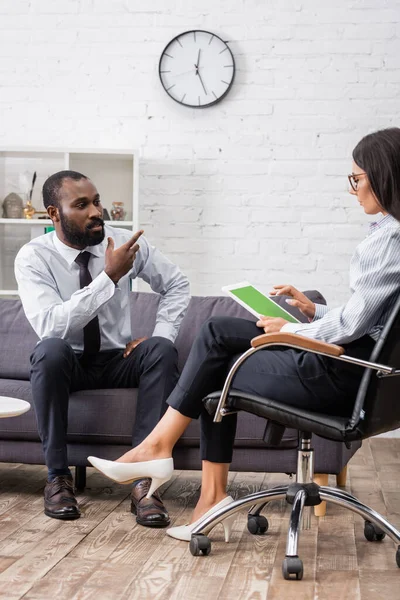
{"points": [[77, 237]]}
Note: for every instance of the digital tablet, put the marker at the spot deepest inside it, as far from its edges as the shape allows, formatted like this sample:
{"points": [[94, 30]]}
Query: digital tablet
{"points": [[256, 302]]}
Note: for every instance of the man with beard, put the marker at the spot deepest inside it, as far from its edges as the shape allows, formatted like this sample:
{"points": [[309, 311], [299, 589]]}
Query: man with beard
{"points": [[74, 287]]}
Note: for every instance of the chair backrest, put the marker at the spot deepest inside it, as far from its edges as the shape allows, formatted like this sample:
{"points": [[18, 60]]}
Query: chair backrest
{"points": [[377, 406]]}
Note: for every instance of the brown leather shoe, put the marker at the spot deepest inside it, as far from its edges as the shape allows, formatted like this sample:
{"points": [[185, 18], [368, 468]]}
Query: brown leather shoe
{"points": [[59, 499], [150, 512]]}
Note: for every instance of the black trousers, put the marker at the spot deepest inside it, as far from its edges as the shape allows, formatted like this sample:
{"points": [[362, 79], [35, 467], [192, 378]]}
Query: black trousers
{"points": [[56, 371], [287, 375]]}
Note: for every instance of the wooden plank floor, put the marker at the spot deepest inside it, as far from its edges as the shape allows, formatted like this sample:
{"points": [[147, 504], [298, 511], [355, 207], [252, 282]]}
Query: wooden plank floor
{"points": [[105, 555]]}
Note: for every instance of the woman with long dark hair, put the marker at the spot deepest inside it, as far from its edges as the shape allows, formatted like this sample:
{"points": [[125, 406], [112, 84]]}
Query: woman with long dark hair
{"points": [[287, 375]]}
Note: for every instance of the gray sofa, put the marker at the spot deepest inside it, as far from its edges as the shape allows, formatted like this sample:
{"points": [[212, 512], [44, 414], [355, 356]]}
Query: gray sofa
{"points": [[101, 421]]}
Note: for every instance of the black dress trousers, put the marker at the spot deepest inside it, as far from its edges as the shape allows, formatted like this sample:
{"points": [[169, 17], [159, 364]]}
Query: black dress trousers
{"points": [[56, 371], [287, 375]]}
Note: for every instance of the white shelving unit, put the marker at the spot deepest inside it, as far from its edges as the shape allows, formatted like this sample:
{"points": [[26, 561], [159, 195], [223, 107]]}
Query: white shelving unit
{"points": [[115, 173]]}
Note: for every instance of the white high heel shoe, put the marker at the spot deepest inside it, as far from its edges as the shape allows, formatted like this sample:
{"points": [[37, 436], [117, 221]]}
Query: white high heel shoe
{"points": [[159, 471], [184, 532]]}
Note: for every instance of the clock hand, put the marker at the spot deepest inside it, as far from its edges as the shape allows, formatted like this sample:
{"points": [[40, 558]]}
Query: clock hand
{"points": [[196, 66], [182, 73], [201, 81]]}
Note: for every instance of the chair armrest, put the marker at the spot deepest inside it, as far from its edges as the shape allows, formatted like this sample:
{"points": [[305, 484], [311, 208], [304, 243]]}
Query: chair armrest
{"points": [[293, 340], [297, 341]]}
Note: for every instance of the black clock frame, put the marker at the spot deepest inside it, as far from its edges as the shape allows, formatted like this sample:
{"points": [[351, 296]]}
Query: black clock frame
{"points": [[227, 89]]}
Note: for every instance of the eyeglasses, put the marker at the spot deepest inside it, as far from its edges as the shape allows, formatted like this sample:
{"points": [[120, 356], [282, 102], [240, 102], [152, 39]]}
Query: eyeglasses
{"points": [[353, 179]]}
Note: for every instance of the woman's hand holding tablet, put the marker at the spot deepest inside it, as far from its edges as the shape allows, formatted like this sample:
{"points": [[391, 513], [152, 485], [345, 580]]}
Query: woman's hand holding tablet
{"points": [[256, 302]]}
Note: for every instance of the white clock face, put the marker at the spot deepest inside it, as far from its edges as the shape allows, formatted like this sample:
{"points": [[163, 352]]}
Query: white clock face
{"points": [[197, 69]]}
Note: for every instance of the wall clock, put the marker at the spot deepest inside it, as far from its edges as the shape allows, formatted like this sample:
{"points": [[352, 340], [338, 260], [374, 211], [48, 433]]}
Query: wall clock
{"points": [[197, 68]]}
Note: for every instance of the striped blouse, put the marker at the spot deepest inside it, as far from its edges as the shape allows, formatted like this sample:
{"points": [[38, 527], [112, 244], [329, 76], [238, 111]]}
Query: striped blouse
{"points": [[374, 286]]}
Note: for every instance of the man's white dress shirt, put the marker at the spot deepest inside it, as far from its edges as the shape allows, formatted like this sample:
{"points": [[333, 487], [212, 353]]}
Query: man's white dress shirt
{"points": [[48, 284]]}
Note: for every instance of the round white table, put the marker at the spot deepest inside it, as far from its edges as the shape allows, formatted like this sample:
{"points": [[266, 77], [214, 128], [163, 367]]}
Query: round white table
{"points": [[12, 407]]}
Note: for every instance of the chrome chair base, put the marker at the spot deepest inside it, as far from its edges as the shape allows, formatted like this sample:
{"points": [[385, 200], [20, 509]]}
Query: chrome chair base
{"points": [[376, 526]]}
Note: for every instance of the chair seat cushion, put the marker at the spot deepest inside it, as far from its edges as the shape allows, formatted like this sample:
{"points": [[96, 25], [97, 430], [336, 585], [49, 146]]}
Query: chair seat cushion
{"points": [[327, 426]]}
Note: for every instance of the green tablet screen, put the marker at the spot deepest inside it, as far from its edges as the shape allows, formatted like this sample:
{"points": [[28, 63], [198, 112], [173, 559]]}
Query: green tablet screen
{"points": [[261, 304]]}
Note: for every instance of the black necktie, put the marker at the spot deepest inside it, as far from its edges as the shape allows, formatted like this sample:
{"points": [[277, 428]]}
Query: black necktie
{"points": [[91, 332]]}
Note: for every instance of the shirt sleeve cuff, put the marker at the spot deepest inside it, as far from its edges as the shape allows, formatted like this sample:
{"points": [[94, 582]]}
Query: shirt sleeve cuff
{"points": [[104, 288], [291, 327], [320, 311], [165, 330]]}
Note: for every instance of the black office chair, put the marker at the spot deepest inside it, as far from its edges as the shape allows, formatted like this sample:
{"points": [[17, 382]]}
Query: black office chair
{"points": [[376, 410]]}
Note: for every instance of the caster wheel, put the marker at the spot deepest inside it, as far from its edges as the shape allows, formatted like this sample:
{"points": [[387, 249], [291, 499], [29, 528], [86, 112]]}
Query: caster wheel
{"points": [[257, 524], [398, 557], [200, 544], [372, 533], [292, 568]]}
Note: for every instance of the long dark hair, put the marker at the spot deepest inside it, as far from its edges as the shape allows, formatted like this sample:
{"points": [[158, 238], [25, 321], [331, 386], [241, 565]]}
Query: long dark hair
{"points": [[378, 154]]}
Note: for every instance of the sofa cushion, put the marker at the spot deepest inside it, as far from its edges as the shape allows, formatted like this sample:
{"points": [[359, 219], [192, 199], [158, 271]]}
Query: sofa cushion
{"points": [[17, 340], [144, 309], [107, 417], [98, 416]]}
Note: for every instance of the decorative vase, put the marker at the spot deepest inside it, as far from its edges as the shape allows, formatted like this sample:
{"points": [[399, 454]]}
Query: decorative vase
{"points": [[118, 211], [29, 211]]}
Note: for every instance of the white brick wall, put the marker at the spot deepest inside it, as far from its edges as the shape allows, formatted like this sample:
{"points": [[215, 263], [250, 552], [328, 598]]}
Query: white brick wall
{"points": [[254, 187]]}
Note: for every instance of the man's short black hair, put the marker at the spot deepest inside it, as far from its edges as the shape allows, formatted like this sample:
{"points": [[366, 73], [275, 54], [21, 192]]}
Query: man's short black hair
{"points": [[52, 185]]}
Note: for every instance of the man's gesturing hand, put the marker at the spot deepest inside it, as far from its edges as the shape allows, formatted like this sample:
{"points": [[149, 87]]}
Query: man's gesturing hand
{"points": [[119, 262], [298, 299]]}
